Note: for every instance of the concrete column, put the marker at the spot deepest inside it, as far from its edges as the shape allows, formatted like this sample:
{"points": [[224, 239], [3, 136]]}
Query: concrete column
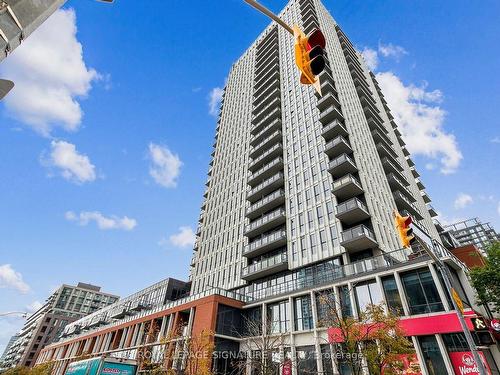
{"points": [[378, 280], [402, 294], [317, 343], [352, 295]]}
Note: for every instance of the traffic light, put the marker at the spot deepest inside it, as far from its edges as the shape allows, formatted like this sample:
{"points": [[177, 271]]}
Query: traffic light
{"points": [[404, 230], [309, 55]]}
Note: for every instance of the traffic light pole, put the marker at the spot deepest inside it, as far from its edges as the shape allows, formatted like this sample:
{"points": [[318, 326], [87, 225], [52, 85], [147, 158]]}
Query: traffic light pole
{"points": [[270, 14], [447, 282]]}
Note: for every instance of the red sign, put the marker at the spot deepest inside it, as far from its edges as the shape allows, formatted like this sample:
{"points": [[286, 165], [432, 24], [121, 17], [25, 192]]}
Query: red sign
{"points": [[464, 364], [287, 368], [410, 364]]}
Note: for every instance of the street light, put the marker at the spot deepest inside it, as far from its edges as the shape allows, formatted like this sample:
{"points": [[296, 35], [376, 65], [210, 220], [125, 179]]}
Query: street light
{"points": [[23, 314]]}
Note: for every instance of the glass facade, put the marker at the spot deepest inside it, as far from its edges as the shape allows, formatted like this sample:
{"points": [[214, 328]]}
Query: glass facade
{"points": [[306, 360], [345, 301], [303, 313], [392, 296], [421, 292], [367, 293], [432, 355], [278, 317]]}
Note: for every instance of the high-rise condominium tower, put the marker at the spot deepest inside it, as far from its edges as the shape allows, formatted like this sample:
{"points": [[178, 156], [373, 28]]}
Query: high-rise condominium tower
{"points": [[300, 182]]}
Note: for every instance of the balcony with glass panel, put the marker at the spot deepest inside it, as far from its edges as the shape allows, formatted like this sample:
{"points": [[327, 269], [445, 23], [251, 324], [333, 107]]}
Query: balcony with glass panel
{"points": [[347, 187], [376, 124], [338, 146], [266, 187], [265, 54], [392, 166], [262, 123], [414, 172], [352, 211], [264, 111], [432, 211], [397, 183], [266, 171], [358, 238], [363, 91], [379, 136], [272, 64], [265, 267], [266, 157], [420, 184], [328, 100], [425, 197], [334, 129], [341, 166], [266, 100], [368, 101], [404, 203], [275, 199], [265, 132], [386, 151], [266, 82], [372, 113], [327, 84], [265, 244], [269, 141], [331, 114], [266, 222]]}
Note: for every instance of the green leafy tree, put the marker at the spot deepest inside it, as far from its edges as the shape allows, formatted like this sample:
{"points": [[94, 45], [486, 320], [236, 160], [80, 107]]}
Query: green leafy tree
{"points": [[486, 279]]}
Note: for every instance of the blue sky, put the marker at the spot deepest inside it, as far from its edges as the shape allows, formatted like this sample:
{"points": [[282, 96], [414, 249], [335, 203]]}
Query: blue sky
{"points": [[104, 155]]}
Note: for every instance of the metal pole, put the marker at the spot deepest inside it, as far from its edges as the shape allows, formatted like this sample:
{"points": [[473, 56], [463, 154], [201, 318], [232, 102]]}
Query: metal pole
{"points": [[270, 14], [446, 278]]}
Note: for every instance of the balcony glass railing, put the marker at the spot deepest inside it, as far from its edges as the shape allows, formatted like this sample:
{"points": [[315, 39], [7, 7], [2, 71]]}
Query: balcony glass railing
{"points": [[265, 168], [340, 160], [259, 135], [348, 179], [263, 121], [350, 205], [357, 232], [276, 134], [267, 182], [266, 219], [267, 263], [267, 199], [334, 142], [264, 241], [265, 154]]}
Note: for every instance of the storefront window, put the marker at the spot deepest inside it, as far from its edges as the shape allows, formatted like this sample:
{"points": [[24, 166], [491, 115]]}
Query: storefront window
{"points": [[345, 301], [278, 316], [303, 313], [432, 355], [392, 295], [367, 293], [306, 360], [421, 292], [325, 302], [326, 359]]}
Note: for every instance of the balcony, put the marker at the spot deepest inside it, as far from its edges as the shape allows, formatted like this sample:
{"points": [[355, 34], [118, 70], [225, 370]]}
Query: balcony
{"points": [[265, 243], [342, 165], [328, 100], [266, 187], [420, 184], [265, 53], [270, 154], [414, 172], [410, 162], [119, 313], [404, 203], [334, 129], [425, 197], [338, 146], [333, 113], [370, 112], [352, 211], [379, 136], [397, 184], [327, 84], [432, 211], [376, 124], [266, 144], [347, 187], [267, 203], [363, 91], [265, 267], [269, 66], [266, 171], [392, 166], [258, 126], [266, 82], [358, 238], [386, 151], [405, 151], [266, 222], [275, 103], [264, 101], [259, 137], [369, 102]]}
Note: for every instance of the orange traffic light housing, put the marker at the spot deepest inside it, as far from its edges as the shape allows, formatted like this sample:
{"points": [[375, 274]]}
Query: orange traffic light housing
{"points": [[403, 228], [309, 55]]}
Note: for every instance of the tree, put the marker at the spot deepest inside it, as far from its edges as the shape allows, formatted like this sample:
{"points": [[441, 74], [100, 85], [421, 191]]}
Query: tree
{"points": [[375, 336], [486, 279], [43, 369]]}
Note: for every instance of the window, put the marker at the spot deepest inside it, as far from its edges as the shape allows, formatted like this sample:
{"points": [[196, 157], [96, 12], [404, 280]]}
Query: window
{"points": [[314, 243], [319, 212], [421, 292], [326, 358], [279, 320], [345, 301], [455, 342], [306, 360], [325, 301], [392, 295], [432, 355], [367, 293], [303, 313]]}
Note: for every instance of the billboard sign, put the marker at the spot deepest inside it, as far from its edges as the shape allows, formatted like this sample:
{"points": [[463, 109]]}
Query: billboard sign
{"points": [[463, 363]]}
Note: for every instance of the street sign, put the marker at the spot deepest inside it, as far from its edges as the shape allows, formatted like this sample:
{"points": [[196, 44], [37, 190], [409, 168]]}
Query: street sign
{"points": [[458, 300], [479, 324]]}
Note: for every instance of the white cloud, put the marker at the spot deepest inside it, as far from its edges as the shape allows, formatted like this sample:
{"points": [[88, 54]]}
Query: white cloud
{"points": [[445, 220], [165, 167], [11, 279], [72, 165], [495, 140], [184, 238], [36, 305], [462, 201], [50, 75], [421, 119], [391, 50], [103, 222], [371, 58], [214, 99]]}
